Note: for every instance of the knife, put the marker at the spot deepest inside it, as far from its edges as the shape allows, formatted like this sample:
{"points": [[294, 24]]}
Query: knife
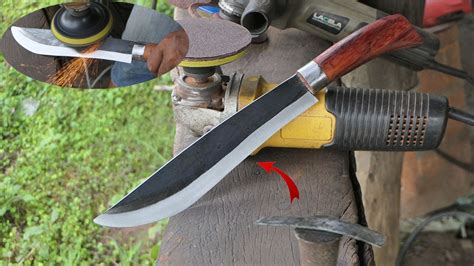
{"points": [[43, 42], [197, 169]]}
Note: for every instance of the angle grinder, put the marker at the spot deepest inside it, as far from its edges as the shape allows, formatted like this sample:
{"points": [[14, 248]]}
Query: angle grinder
{"points": [[80, 24], [212, 43], [344, 118], [331, 20]]}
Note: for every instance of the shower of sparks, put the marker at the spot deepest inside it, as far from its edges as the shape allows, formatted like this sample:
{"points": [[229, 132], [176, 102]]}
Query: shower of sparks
{"points": [[74, 70]]}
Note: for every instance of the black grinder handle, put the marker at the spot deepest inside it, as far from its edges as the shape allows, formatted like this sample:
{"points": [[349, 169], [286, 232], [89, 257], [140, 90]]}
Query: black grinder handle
{"points": [[384, 120]]}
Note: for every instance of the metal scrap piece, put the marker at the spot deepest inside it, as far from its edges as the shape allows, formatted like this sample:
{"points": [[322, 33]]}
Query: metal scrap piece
{"points": [[327, 224]]}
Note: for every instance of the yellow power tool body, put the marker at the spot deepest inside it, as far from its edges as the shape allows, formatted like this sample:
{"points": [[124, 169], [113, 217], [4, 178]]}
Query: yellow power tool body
{"points": [[359, 119]]}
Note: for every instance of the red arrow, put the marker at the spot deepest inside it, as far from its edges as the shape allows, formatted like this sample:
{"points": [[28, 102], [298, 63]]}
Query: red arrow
{"points": [[294, 193]]}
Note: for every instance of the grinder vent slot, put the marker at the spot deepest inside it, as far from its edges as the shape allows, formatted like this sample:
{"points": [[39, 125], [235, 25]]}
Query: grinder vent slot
{"points": [[406, 130], [370, 119]]}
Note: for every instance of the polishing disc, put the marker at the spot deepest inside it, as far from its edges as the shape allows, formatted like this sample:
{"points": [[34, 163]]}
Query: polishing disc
{"points": [[82, 28], [213, 42]]}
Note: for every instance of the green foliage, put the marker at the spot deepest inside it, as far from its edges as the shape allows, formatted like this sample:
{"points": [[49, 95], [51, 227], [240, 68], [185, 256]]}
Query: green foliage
{"points": [[162, 6], [66, 154]]}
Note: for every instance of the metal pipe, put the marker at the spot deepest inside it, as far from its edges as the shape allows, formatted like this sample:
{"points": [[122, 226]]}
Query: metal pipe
{"points": [[317, 247], [257, 16]]}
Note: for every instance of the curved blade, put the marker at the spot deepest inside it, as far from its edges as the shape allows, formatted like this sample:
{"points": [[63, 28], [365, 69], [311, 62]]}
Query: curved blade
{"points": [[197, 169], [43, 42]]}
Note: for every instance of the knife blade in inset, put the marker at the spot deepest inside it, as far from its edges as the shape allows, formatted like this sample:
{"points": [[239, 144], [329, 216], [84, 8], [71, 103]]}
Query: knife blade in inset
{"points": [[198, 168], [43, 42]]}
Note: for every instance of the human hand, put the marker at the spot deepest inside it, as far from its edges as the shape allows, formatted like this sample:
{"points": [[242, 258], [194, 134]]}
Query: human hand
{"points": [[166, 55]]}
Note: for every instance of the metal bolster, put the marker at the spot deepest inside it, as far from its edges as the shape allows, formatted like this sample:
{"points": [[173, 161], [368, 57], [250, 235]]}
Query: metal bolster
{"points": [[313, 76], [138, 51]]}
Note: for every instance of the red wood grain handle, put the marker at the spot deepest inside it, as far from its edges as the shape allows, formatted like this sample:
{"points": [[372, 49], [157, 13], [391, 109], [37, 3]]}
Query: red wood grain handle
{"points": [[384, 35]]}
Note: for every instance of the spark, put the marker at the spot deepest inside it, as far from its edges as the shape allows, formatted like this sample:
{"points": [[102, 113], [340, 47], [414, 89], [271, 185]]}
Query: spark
{"points": [[74, 69]]}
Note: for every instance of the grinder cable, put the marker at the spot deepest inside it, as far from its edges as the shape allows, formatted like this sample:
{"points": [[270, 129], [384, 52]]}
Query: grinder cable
{"points": [[461, 116]]}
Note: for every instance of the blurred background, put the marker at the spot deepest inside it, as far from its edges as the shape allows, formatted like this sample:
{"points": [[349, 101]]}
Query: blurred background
{"points": [[62, 151]]}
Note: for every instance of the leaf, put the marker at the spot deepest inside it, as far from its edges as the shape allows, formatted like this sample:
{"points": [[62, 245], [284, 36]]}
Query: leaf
{"points": [[27, 197], [32, 231], [154, 251], [54, 215], [118, 101]]}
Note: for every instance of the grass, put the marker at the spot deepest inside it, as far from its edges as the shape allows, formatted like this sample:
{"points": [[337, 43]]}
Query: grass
{"points": [[66, 155]]}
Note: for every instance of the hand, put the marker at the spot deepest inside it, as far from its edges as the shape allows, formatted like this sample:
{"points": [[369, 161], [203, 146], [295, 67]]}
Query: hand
{"points": [[166, 55]]}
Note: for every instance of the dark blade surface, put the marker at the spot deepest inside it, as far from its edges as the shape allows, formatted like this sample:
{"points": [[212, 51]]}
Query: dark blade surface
{"points": [[193, 172], [117, 45]]}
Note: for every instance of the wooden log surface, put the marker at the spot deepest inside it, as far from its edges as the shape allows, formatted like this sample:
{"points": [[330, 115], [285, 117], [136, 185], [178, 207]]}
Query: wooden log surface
{"points": [[220, 229]]}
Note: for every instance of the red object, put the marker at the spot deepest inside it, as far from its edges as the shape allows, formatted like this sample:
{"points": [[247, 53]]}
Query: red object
{"points": [[381, 36], [294, 193], [441, 11]]}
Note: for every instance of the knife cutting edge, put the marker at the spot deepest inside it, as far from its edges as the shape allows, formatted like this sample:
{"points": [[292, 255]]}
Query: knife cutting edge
{"points": [[197, 169]]}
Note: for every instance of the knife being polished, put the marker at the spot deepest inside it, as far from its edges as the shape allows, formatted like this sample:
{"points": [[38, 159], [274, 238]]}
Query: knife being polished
{"points": [[43, 42], [197, 169]]}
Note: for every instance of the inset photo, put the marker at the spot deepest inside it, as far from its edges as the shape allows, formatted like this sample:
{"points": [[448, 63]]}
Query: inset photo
{"points": [[95, 44]]}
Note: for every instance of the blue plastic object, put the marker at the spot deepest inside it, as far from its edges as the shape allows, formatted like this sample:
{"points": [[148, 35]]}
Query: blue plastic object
{"points": [[209, 9]]}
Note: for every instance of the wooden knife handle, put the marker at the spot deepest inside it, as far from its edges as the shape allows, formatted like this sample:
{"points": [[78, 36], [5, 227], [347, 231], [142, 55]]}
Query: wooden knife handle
{"points": [[384, 35]]}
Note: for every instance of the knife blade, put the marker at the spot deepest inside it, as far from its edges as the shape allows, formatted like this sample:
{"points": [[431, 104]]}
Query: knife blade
{"points": [[198, 168], [43, 42]]}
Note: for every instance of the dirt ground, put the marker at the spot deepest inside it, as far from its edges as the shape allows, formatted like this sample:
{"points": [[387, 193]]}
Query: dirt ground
{"points": [[437, 248]]}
